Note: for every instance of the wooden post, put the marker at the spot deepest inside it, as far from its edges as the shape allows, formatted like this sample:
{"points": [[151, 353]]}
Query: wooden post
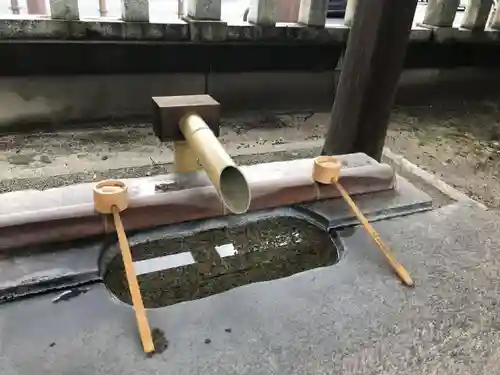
{"points": [[103, 9], [185, 159], [135, 10], [494, 19], [180, 8], [204, 9], [36, 7], [14, 6], [64, 9], [368, 81], [349, 12], [262, 12], [476, 14], [440, 13], [313, 12]]}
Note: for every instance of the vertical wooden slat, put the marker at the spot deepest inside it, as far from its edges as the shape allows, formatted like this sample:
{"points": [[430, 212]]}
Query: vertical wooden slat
{"points": [[135, 10], [313, 12], [36, 7], [476, 14], [368, 81], [204, 9], [494, 20], [64, 9], [262, 12], [287, 10], [103, 8], [14, 6], [441, 13], [180, 8], [350, 11]]}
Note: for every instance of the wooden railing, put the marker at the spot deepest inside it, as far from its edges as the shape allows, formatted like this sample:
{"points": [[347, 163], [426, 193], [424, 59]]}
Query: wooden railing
{"points": [[478, 15]]}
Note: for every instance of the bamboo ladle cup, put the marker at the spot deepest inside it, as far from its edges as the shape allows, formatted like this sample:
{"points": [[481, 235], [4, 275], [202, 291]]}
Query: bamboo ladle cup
{"points": [[327, 171], [110, 197]]}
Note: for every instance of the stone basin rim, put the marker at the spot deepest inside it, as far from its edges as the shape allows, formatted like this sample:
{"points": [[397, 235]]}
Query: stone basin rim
{"points": [[273, 185]]}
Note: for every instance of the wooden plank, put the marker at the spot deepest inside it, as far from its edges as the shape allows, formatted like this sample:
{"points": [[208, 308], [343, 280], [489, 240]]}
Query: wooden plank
{"points": [[368, 81]]}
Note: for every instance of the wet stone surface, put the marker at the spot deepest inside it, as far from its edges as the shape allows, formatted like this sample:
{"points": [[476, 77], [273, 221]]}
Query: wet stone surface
{"points": [[224, 259]]}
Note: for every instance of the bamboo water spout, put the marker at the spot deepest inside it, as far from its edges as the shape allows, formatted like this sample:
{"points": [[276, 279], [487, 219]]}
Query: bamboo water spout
{"points": [[221, 169], [192, 122]]}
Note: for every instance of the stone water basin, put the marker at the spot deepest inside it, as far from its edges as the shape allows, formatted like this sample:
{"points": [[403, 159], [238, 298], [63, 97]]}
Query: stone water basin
{"points": [[191, 263]]}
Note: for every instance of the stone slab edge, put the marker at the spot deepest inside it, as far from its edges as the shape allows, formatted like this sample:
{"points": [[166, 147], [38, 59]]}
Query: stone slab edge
{"points": [[70, 214], [76, 264], [431, 179]]}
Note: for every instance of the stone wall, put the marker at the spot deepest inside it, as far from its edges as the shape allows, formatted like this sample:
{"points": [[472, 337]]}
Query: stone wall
{"points": [[50, 102]]}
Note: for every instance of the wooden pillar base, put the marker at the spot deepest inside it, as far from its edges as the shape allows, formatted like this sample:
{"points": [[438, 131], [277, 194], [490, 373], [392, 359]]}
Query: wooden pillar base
{"points": [[185, 159], [371, 69]]}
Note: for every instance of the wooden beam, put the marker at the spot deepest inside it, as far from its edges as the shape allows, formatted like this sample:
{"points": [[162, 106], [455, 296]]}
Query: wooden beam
{"points": [[368, 81]]}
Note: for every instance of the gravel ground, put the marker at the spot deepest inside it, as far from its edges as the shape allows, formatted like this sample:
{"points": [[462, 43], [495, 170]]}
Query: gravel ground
{"points": [[459, 141], [42, 183]]}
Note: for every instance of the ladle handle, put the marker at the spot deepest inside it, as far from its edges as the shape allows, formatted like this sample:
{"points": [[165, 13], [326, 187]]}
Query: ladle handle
{"points": [[133, 284], [398, 267]]}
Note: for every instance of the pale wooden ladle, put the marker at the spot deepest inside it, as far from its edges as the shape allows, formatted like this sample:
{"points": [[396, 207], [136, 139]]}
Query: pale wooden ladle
{"points": [[327, 171], [110, 197]]}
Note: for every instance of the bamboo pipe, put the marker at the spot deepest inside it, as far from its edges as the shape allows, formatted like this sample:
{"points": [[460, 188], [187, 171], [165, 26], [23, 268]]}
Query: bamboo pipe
{"points": [[227, 178], [110, 197], [326, 171]]}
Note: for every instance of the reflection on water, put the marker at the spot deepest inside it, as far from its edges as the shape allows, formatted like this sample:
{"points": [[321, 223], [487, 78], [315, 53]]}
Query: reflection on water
{"points": [[214, 261]]}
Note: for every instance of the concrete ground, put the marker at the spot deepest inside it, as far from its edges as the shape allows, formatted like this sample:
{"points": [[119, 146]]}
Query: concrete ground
{"points": [[354, 317]]}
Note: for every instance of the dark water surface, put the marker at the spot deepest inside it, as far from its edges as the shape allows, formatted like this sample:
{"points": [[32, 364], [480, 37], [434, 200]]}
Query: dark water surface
{"points": [[261, 250]]}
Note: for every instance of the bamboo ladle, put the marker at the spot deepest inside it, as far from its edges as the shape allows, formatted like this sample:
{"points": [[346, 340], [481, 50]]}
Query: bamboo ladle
{"points": [[110, 197], [327, 171]]}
